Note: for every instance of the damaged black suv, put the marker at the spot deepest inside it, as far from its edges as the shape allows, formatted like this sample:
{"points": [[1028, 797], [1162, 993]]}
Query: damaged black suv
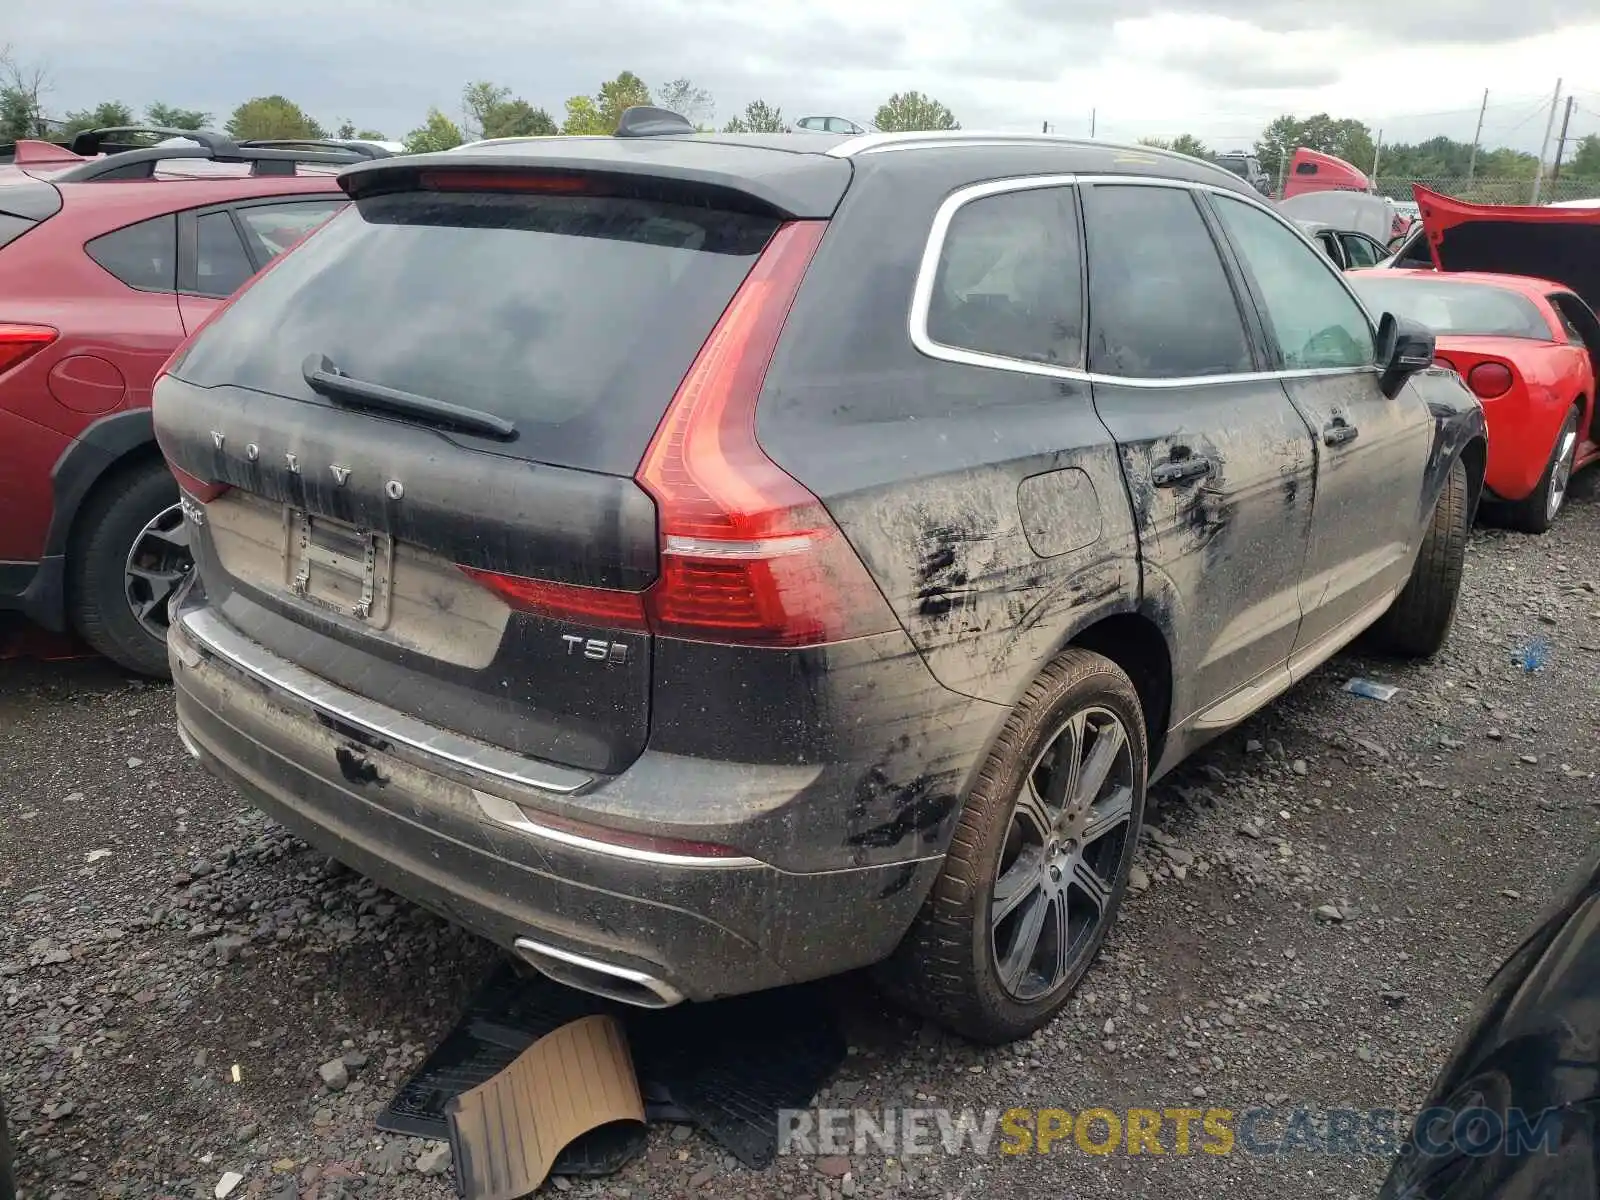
{"points": [[700, 563]]}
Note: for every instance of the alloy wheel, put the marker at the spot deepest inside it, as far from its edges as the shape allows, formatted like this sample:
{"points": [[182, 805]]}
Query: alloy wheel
{"points": [[1561, 470], [1063, 854], [158, 562]]}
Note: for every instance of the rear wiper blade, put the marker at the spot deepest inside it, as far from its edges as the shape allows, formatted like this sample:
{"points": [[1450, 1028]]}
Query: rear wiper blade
{"points": [[324, 377]]}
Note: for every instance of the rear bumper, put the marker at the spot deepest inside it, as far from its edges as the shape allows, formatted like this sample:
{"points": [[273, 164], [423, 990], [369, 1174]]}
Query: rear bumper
{"points": [[468, 845]]}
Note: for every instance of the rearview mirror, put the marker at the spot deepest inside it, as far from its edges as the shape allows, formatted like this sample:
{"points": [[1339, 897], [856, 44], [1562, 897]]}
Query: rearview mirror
{"points": [[1404, 348]]}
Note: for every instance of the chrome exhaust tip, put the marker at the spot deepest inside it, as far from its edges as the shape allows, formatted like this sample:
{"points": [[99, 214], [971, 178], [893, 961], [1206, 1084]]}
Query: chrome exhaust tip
{"points": [[622, 984]]}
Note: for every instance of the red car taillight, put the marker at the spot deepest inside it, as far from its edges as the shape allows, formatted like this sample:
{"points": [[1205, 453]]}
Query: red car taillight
{"points": [[198, 488], [748, 555], [1489, 379], [19, 343]]}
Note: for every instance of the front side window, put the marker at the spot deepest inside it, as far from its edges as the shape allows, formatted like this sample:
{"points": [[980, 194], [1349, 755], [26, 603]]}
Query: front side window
{"points": [[1160, 304], [221, 264], [1312, 315], [1010, 279]]}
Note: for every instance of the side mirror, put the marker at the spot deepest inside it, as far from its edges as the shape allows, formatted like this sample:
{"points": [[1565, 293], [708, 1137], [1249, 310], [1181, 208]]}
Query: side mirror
{"points": [[1404, 348]]}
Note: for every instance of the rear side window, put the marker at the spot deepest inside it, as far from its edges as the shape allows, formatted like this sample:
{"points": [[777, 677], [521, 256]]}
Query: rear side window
{"points": [[11, 228], [1160, 305], [1010, 278], [1445, 306], [143, 256], [575, 317]]}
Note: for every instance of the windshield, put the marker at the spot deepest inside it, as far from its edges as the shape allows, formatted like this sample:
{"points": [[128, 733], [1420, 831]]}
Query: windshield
{"points": [[1467, 309]]}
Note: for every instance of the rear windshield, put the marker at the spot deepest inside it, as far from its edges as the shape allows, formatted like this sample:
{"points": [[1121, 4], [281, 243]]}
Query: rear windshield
{"points": [[575, 317], [1468, 309]]}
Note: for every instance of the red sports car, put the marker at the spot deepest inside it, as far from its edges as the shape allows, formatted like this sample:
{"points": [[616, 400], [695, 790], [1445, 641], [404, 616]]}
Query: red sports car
{"points": [[107, 260], [1530, 350]]}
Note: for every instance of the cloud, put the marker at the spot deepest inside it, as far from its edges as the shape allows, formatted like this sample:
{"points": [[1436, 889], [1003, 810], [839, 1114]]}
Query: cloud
{"points": [[1442, 21], [1235, 55], [1217, 68]]}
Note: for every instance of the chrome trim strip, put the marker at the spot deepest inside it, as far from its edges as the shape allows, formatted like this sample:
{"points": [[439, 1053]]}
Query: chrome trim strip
{"points": [[213, 635], [922, 295], [189, 743], [668, 994], [513, 816]]}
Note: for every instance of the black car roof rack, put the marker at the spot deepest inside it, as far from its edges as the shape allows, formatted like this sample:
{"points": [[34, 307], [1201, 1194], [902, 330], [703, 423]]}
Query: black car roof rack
{"points": [[645, 120], [366, 149], [90, 142], [140, 162]]}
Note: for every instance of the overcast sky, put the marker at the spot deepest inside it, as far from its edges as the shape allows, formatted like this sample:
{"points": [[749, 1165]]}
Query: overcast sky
{"points": [[1217, 68]]}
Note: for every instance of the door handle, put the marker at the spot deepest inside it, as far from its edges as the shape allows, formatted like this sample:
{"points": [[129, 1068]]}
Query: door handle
{"points": [[1339, 431], [1178, 470]]}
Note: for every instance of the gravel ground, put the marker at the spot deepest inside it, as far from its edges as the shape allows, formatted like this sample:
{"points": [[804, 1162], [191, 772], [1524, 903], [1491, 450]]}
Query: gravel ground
{"points": [[1324, 892]]}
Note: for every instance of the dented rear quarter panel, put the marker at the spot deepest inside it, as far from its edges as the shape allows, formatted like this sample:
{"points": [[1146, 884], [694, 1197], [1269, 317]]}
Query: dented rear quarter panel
{"points": [[988, 504]]}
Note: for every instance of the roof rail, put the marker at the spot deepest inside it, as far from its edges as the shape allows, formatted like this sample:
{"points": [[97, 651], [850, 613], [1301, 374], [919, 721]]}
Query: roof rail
{"points": [[365, 149], [90, 141], [646, 120], [265, 158]]}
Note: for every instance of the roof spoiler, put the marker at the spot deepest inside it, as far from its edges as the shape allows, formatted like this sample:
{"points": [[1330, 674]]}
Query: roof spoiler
{"points": [[30, 152]]}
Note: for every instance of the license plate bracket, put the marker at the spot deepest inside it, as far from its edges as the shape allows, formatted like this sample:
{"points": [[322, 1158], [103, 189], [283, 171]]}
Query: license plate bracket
{"points": [[338, 566]]}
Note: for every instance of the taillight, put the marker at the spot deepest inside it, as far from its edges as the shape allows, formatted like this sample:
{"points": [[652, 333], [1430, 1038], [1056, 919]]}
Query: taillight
{"points": [[21, 342], [748, 555], [457, 180], [1489, 379], [198, 488]]}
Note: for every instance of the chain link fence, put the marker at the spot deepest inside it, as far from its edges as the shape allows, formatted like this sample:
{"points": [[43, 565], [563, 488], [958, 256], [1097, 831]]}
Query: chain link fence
{"points": [[1491, 190]]}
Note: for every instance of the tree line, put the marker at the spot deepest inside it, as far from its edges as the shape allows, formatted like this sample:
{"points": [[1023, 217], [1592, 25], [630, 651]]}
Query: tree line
{"points": [[1436, 158], [491, 110], [487, 110]]}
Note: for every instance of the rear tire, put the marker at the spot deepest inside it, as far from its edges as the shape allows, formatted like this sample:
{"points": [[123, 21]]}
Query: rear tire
{"points": [[1053, 871], [1418, 622], [1537, 511], [123, 615]]}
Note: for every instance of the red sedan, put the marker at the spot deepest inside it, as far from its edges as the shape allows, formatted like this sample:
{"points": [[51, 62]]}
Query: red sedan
{"points": [[1530, 350]]}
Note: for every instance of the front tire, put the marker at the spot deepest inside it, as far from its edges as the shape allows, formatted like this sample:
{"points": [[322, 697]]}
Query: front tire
{"points": [[1039, 862], [1418, 622], [1537, 511], [132, 554]]}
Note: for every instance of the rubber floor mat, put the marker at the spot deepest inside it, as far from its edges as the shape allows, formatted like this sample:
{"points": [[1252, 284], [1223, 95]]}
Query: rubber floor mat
{"points": [[726, 1067], [577, 1082]]}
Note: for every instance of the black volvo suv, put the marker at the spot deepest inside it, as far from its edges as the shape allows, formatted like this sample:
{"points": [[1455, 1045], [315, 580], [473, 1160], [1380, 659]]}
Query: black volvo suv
{"points": [[703, 562]]}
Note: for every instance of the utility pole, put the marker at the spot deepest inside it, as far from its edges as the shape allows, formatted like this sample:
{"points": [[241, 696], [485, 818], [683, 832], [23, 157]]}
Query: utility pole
{"points": [[1377, 153], [1561, 144], [1538, 176], [1477, 135], [1093, 113]]}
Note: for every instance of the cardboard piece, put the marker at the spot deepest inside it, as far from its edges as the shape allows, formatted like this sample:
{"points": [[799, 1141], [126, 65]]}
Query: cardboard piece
{"points": [[507, 1132]]}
